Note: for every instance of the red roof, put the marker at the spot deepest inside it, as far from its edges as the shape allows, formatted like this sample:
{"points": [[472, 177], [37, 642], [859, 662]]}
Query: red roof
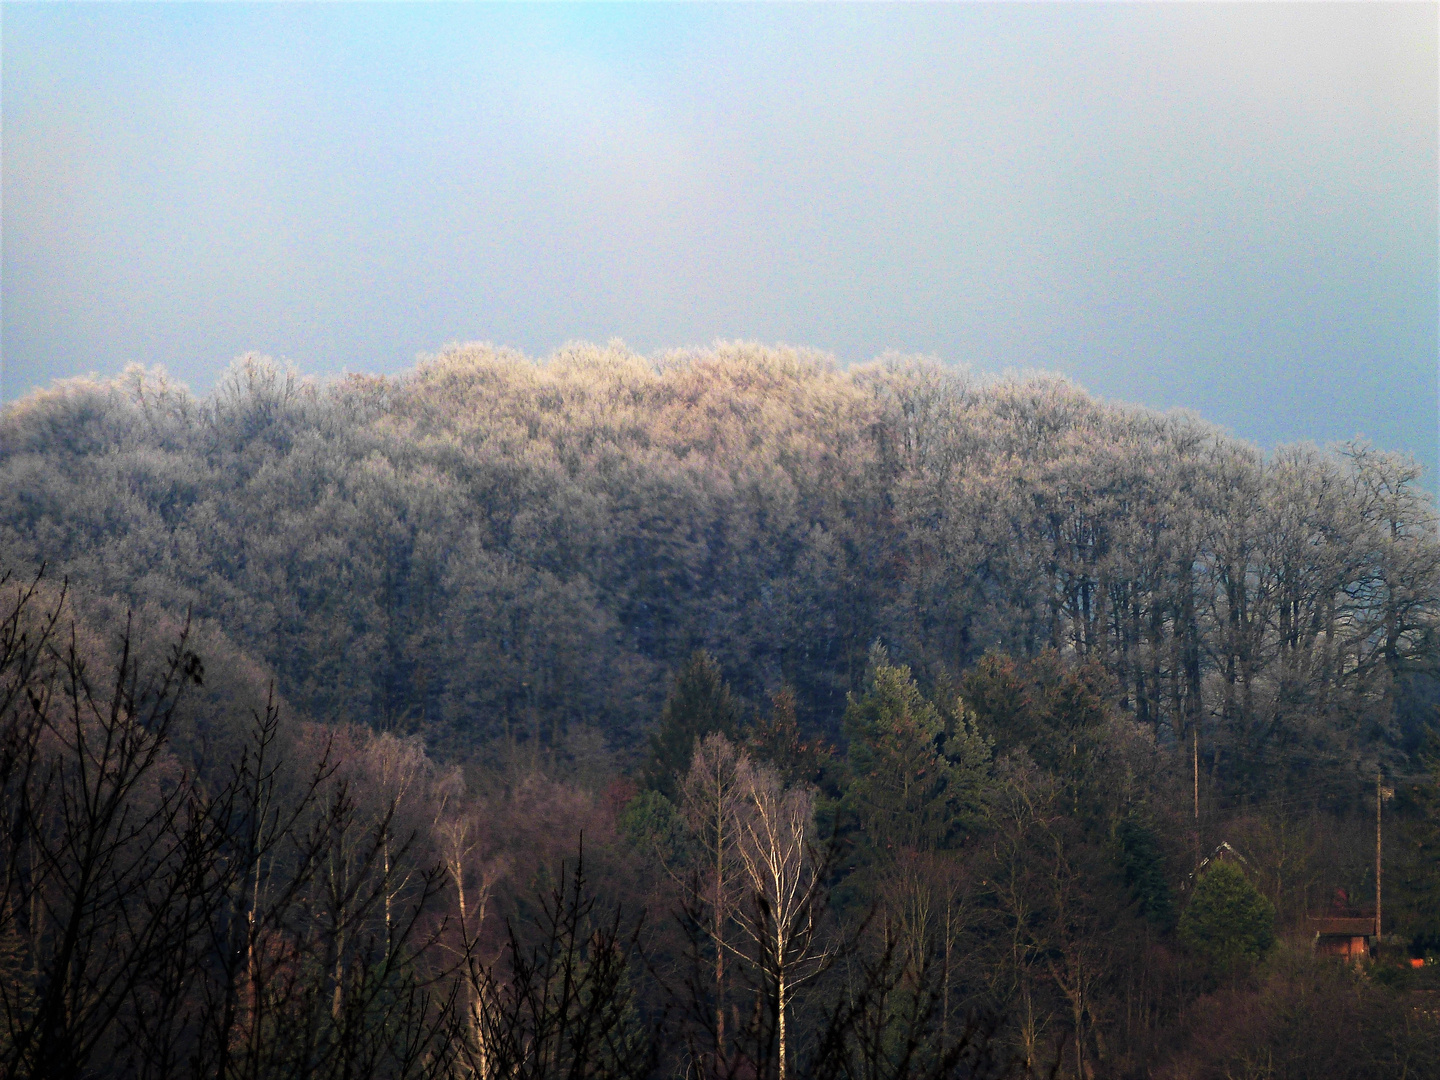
{"points": [[1349, 926]]}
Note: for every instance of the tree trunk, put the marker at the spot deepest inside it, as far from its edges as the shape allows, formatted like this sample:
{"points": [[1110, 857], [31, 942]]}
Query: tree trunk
{"points": [[781, 989]]}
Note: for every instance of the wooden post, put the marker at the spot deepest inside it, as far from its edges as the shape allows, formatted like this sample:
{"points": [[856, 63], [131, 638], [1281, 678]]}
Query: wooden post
{"points": [[1377, 856], [1195, 769]]}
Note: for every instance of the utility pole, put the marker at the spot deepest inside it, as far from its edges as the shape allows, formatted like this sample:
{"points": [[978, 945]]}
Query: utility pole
{"points": [[1195, 770], [1381, 794], [1377, 856]]}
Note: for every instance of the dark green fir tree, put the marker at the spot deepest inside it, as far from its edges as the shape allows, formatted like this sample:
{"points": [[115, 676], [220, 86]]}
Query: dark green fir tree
{"points": [[699, 704]]}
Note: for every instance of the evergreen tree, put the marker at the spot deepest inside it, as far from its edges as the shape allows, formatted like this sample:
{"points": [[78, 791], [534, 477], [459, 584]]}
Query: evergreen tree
{"points": [[698, 704], [1228, 921], [775, 740], [1413, 881], [913, 775], [1144, 866]]}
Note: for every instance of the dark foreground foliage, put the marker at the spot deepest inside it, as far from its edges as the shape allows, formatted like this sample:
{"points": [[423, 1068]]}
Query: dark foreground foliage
{"points": [[159, 924]]}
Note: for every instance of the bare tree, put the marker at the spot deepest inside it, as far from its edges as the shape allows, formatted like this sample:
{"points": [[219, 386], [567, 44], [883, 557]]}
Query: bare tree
{"points": [[474, 870], [711, 799], [563, 1008], [924, 895], [784, 870], [168, 924]]}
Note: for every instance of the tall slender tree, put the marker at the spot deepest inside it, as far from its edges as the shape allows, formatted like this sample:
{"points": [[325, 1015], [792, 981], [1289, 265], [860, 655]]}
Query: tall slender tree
{"points": [[699, 704]]}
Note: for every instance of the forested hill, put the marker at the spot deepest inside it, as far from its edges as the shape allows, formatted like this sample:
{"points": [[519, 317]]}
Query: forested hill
{"points": [[490, 546]]}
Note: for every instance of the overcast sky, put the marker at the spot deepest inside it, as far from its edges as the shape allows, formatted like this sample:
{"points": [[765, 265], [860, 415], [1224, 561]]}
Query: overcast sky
{"points": [[1231, 209]]}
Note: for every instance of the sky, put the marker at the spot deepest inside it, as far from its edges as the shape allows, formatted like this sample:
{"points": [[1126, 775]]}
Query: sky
{"points": [[1230, 209]]}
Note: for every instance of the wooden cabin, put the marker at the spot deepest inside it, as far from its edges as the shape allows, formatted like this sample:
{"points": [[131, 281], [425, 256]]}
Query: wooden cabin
{"points": [[1344, 936]]}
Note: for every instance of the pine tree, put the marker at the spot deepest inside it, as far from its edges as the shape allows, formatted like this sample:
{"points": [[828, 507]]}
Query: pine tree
{"points": [[698, 705], [913, 775]]}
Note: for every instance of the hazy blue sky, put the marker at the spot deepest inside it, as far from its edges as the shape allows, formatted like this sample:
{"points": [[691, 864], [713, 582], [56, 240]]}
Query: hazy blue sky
{"points": [[1227, 208]]}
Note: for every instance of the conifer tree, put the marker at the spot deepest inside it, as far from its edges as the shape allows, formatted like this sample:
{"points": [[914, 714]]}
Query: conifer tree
{"points": [[775, 739], [1413, 881], [912, 774], [1227, 920], [699, 704]]}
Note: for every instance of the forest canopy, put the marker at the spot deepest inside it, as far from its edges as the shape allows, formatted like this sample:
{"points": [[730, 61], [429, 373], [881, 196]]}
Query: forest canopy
{"points": [[491, 547]]}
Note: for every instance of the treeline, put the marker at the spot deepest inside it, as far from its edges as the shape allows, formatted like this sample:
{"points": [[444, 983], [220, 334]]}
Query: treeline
{"points": [[492, 549]]}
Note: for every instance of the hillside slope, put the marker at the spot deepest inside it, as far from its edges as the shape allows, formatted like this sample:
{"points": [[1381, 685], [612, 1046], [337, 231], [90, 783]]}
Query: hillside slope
{"points": [[492, 547]]}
